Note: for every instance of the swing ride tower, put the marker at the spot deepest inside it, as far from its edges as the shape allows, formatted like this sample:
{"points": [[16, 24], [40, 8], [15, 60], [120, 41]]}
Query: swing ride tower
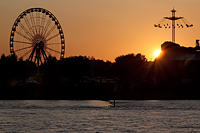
{"points": [[172, 24]]}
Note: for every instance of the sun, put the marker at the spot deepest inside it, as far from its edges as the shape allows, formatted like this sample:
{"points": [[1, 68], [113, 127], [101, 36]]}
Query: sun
{"points": [[157, 53]]}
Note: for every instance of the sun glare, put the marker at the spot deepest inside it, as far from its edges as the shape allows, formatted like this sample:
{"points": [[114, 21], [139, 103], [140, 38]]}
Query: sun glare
{"points": [[157, 53]]}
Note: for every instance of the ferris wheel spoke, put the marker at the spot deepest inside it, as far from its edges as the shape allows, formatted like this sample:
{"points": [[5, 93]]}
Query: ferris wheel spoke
{"points": [[48, 52], [24, 55], [23, 48], [53, 50], [51, 30], [27, 32], [53, 37], [46, 26], [33, 22], [53, 43], [38, 21], [42, 22], [29, 25], [22, 35], [22, 42]]}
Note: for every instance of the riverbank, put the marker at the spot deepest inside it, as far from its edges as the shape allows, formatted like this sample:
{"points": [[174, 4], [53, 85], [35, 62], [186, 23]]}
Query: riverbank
{"points": [[99, 92]]}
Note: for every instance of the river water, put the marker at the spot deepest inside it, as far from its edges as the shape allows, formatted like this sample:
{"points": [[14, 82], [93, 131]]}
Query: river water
{"points": [[99, 117]]}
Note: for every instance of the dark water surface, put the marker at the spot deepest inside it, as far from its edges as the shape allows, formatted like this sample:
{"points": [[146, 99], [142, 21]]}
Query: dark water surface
{"points": [[98, 116]]}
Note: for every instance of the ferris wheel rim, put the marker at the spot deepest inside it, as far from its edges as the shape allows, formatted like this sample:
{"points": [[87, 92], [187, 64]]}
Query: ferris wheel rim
{"points": [[47, 13]]}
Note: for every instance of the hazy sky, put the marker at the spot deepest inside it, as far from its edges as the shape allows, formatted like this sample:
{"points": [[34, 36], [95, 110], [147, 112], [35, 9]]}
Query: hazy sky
{"points": [[106, 29]]}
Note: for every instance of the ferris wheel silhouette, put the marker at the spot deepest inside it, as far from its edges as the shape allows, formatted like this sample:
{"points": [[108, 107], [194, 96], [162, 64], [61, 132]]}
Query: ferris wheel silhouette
{"points": [[37, 34]]}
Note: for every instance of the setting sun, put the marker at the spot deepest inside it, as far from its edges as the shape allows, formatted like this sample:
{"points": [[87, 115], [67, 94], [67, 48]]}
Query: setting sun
{"points": [[157, 53]]}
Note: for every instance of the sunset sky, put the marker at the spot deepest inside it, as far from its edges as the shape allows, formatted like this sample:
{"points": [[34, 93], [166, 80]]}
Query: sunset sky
{"points": [[106, 29]]}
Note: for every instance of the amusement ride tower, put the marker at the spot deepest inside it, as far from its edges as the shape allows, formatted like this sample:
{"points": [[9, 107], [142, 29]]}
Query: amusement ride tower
{"points": [[169, 22]]}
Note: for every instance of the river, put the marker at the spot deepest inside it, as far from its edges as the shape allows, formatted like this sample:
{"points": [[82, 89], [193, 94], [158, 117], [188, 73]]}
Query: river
{"points": [[43, 116]]}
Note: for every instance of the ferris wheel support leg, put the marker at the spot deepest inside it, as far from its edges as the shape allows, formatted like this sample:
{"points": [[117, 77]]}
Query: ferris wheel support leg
{"points": [[31, 55], [44, 55]]}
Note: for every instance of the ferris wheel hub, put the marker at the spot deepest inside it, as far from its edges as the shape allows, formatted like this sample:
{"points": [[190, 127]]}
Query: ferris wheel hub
{"points": [[37, 39], [41, 44]]}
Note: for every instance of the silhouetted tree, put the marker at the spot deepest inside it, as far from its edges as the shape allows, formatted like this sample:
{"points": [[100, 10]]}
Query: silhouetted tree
{"points": [[12, 70], [75, 68], [101, 68], [130, 67]]}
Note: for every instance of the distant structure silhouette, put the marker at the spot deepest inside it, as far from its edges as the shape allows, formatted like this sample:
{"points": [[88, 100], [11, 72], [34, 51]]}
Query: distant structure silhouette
{"points": [[170, 23], [173, 51], [37, 34]]}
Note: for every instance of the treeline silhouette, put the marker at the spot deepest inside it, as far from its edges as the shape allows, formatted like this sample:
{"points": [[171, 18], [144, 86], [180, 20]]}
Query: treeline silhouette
{"points": [[128, 67], [13, 70], [72, 74], [130, 76]]}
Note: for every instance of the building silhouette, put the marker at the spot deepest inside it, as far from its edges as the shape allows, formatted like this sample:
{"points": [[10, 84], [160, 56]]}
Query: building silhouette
{"points": [[173, 51]]}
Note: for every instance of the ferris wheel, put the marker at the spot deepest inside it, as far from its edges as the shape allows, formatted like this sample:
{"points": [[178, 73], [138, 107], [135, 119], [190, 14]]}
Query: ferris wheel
{"points": [[36, 34]]}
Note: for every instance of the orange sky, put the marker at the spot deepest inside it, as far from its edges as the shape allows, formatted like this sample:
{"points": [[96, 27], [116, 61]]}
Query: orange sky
{"points": [[106, 29]]}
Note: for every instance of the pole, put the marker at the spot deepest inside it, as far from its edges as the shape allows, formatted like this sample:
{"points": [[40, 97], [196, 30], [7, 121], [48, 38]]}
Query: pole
{"points": [[173, 25]]}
